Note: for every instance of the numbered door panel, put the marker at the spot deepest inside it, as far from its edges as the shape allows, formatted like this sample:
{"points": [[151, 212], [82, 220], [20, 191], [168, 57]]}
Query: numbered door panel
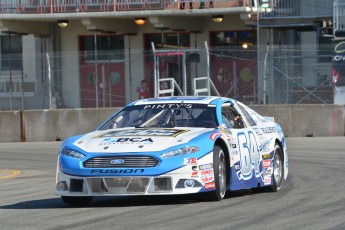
{"points": [[246, 171]]}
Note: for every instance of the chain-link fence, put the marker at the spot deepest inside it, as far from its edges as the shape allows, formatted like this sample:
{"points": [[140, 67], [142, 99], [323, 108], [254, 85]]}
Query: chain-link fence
{"points": [[268, 75]]}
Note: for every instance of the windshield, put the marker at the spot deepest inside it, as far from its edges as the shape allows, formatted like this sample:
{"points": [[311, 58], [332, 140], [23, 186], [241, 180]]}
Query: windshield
{"points": [[164, 115]]}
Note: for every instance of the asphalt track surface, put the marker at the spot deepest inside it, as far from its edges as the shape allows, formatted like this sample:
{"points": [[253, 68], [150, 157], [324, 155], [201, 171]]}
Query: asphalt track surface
{"points": [[313, 197]]}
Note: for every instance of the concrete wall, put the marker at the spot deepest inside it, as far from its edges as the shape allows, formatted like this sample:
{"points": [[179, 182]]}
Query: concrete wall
{"points": [[10, 126], [51, 125], [307, 120]]}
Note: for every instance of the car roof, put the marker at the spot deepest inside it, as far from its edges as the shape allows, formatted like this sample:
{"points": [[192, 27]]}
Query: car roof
{"points": [[179, 99]]}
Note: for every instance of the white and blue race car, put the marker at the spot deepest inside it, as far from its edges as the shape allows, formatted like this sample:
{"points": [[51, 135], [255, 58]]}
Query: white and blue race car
{"points": [[174, 145]]}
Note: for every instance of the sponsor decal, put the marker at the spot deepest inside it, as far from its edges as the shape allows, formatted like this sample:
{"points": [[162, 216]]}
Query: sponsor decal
{"points": [[207, 179], [268, 130], [206, 166], [214, 136], [229, 137], [206, 172], [210, 185], [267, 180], [233, 146], [168, 106], [190, 161], [234, 155], [267, 172], [145, 132], [195, 171], [339, 48], [124, 171], [126, 140], [237, 166], [266, 163], [266, 156]]}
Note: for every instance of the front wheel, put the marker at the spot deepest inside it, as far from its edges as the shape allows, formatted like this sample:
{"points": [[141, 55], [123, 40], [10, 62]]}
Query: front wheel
{"points": [[220, 178], [77, 200], [278, 169]]}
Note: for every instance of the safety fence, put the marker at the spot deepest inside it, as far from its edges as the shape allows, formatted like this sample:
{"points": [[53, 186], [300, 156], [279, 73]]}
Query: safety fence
{"points": [[290, 74]]}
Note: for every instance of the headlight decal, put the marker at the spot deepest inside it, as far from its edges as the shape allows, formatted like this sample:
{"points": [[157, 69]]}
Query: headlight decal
{"points": [[180, 151], [72, 153]]}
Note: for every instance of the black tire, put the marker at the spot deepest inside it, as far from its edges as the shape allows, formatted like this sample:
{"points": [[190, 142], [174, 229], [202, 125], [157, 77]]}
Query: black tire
{"points": [[220, 175], [278, 170], [77, 200]]}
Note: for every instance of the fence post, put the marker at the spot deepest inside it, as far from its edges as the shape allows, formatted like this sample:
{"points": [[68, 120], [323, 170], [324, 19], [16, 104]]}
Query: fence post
{"points": [[265, 78], [184, 73], [49, 82], [155, 84], [208, 69]]}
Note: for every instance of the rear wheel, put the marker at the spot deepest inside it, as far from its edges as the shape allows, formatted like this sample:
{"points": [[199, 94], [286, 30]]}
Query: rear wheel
{"points": [[278, 169], [220, 180], [77, 200]]}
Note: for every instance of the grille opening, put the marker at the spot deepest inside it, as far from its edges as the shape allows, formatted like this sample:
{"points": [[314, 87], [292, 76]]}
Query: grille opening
{"points": [[76, 185], [97, 185], [162, 184], [138, 185], [117, 182]]}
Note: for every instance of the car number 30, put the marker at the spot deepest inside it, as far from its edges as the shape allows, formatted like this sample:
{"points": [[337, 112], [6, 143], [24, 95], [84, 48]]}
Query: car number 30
{"points": [[249, 155]]}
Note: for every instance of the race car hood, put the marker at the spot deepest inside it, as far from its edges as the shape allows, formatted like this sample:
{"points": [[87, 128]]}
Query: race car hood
{"points": [[136, 140]]}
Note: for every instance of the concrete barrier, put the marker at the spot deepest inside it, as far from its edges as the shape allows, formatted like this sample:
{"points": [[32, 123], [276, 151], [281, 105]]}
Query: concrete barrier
{"points": [[10, 126], [307, 120], [51, 125]]}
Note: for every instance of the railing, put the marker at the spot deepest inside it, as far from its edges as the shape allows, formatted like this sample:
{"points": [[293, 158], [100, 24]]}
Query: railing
{"points": [[300, 9], [75, 6]]}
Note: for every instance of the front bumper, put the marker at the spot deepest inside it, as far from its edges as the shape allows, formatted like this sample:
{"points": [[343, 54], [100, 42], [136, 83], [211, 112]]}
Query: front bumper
{"points": [[185, 180]]}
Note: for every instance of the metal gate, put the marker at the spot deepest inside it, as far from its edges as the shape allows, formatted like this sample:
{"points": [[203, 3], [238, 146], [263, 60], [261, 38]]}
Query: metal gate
{"points": [[176, 83]]}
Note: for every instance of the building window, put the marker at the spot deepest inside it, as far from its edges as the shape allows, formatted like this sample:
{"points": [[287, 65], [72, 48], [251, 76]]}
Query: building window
{"points": [[325, 51], [17, 87], [168, 41], [233, 38], [109, 48], [11, 52]]}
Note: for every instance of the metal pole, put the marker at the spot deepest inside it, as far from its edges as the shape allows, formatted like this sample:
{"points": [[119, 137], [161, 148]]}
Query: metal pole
{"points": [[265, 66], [22, 81], [109, 75], [196, 46], [208, 69], [10, 69], [49, 82], [103, 85], [42, 71], [258, 49], [155, 83], [96, 68], [130, 67], [184, 73]]}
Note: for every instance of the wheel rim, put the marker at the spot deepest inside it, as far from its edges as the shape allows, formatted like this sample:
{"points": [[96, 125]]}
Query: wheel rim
{"points": [[277, 169], [222, 174]]}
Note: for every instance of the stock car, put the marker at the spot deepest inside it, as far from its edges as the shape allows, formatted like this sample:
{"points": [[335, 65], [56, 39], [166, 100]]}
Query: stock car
{"points": [[174, 145]]}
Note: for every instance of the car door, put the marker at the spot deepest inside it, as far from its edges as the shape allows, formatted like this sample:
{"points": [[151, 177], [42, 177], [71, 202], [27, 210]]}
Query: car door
{"points": [[245, 158]]}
